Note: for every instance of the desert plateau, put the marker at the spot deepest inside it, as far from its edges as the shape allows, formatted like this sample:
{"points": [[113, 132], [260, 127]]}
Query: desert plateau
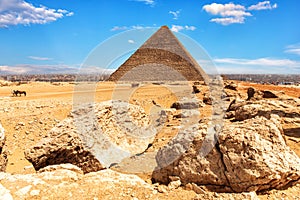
{"points": [[28, 123]]}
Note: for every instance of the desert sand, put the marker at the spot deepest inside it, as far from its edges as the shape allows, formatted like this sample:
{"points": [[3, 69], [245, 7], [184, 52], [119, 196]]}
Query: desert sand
{"points": [[27, 119]]}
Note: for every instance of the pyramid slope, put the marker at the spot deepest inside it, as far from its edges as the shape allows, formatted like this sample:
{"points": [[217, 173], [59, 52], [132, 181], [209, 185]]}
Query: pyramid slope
{"points": [[161, 58]]}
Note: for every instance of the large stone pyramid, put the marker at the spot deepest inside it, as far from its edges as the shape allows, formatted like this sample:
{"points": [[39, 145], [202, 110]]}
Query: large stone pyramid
{"points": [[161, 58]]}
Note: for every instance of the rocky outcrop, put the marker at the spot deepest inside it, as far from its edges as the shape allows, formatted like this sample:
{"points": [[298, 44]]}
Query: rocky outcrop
{"points": [[259, 94], [249, 156], [95, 136], [69, 182], [187, 104], [3, 156], [248, 109], [63, 145]]}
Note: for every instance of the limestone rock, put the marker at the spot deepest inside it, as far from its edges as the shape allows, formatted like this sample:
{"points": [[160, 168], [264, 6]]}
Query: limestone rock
{"points": [[95, 136], [249, 156], [67, 166], [283, 108], [256, 156], [226, 196], [3, 156], [2, 137], [5, 193], [63, 145], [187, 104], [65, 184]]}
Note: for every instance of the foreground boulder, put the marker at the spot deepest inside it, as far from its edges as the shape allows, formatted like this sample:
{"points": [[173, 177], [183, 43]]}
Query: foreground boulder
{"points": [[3, 157], [68, 182], [94, 137], [249, 156]]}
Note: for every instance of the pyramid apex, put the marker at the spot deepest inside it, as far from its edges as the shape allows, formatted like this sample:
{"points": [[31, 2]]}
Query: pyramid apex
{"points": [[165, 26]]}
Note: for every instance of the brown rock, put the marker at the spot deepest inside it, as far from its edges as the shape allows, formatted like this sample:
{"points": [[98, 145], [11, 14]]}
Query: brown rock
{"points": [[269, 94], [259, 94], [196, 89], [207, 100], [250, 93], [249, 156], [231, 86]]}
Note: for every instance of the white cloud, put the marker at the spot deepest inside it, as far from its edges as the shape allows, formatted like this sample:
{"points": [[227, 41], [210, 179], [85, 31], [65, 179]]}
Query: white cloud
{"points": [[131, 41], [175, 14], [174, 28], [15, 12], [39, 58], [293, 49], [234, 13], [147, 2], [37, 69], [12, 70], [178, 28], [52, 69], [265, 5], [119, 28], [260, 65], [260, 61], [228, 20], [225, 10], [124, 28]]}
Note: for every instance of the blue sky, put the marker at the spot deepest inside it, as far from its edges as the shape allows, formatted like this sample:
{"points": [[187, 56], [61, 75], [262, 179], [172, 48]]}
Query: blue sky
{"points": [[240, 36]]}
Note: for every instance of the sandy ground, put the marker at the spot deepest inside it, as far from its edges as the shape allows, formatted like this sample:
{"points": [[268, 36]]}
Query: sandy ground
{"points": [[28, 119]]}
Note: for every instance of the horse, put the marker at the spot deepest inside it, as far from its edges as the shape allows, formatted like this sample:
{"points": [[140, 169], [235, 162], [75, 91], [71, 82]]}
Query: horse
{"points": [[17, 92]]}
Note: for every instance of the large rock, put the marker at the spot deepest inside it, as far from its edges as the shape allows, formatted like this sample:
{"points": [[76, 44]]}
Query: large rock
{"points": [[284, 108], [63, 145], [3, 156], [249, 156], [69, 183], [95, 136]]}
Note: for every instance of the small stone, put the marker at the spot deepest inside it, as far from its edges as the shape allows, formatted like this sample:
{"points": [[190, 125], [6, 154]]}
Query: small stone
{"points": [[21, 124], [174, 184], [162, 188], [34, 192], [154, 192]]}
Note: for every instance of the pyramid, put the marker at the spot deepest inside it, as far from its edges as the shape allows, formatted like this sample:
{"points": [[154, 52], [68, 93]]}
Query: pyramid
{"points": [[161, 58]]}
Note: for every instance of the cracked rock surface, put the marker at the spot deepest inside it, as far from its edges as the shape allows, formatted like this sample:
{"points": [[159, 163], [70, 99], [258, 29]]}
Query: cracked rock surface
{"points": [[95, 136], [249, 156]]}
